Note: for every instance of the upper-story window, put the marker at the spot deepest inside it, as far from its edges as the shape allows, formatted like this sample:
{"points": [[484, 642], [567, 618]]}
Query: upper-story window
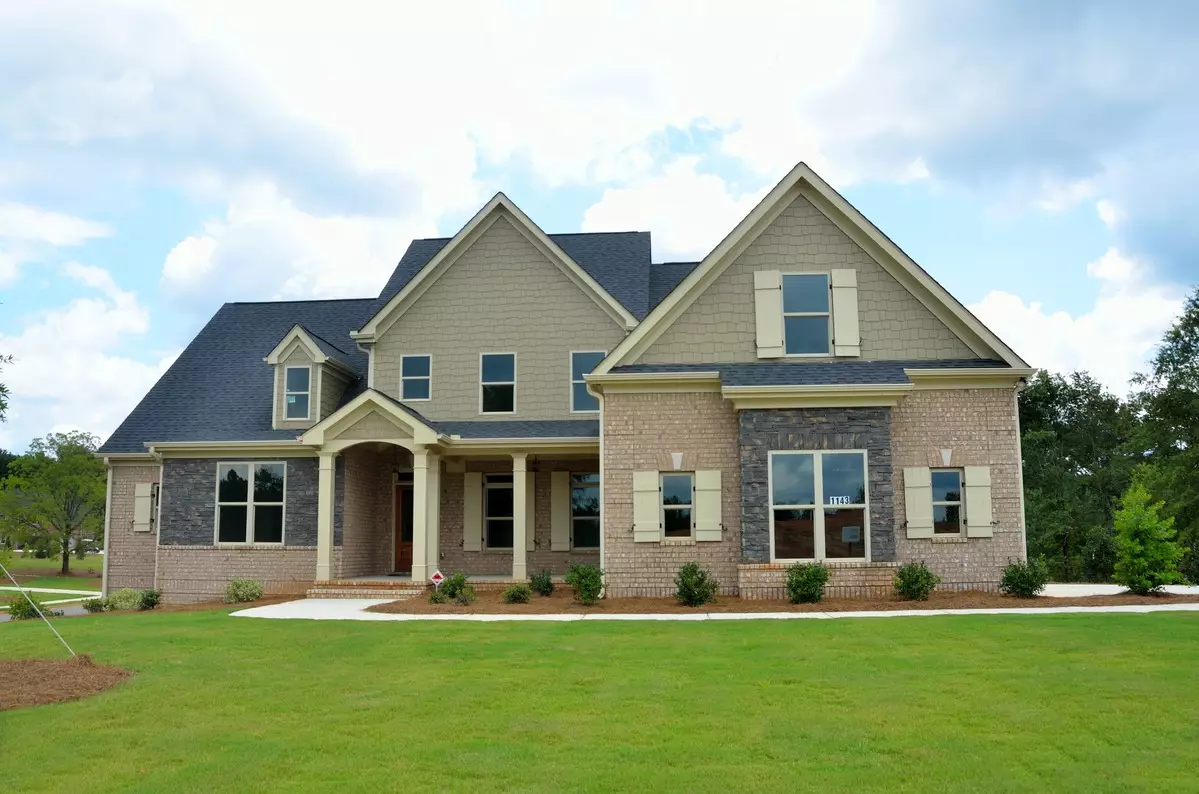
{"points": [[497, 383], [582, 363], [806, 315], [416, 381], [298, 382]]}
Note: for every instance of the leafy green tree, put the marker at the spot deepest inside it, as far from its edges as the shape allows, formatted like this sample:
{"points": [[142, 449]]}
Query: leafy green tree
{"points": [[1146, 554], [4, 390], [55, 493]]}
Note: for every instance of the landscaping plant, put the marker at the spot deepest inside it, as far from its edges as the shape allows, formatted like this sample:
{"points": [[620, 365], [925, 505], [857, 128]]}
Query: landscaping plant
{"points": [[914, 581], [150, 599], [542, 583], [94, 605], [587, 581], [19, 607], [1024, 579], [806, 581], [517, 594], [123, 599], [695, 586], [1147, 555], [241, 591], [456, 588]]}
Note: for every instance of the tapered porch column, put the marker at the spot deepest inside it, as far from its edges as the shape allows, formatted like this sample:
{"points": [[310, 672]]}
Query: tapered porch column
{"points": [[520, 479], [433, 538], [420, 513], [324, 516]]}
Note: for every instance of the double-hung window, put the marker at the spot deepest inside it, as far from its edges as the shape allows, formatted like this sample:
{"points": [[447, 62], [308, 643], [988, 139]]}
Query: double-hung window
{"points": [[497, 383], [948, 516], [807, 319], [582, 363], [498, 510], [818, 505], [584, 511], [415, 378], [297, 383], [678, 495], [249, 502]]}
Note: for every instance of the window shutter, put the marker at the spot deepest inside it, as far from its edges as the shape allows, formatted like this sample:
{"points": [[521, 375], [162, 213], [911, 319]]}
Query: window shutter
{"points": [[530, 511], [647, 527], [918, 499], [472, 511], [846, 337], [708, 524], [978, 502], [143, 503], [768, 308], [560, 511]]}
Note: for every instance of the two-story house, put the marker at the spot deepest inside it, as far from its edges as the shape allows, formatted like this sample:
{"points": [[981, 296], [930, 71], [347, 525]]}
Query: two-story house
{"points": [[514, 401]]}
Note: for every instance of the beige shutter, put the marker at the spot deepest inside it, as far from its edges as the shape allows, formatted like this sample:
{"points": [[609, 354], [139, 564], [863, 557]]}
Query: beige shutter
{"points": [[918, 499], [708, 525], [978, 502], [143, 503], [530, 511], [846, 337], [768, 308], [560, 511], [647, 527], [472, 511]]}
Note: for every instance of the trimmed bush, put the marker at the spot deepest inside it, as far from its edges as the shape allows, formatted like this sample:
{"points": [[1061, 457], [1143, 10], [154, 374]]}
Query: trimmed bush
{"points": [[695, 586], [150, 599], [241, 591], [455, 589], [438, 597], [123, 599], [94, 605], [517, 594], [587, 581], [914, 581], [1024, 579], [806, 581], [1147, 555], [542, 583], [19, 607]]}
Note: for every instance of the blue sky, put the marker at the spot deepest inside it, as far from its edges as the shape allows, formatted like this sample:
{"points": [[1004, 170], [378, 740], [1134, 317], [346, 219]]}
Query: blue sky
{"points": [[1035, 158]]}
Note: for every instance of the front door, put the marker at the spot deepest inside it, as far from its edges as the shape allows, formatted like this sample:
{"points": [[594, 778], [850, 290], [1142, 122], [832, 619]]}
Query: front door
{"points": [[403, 529]]}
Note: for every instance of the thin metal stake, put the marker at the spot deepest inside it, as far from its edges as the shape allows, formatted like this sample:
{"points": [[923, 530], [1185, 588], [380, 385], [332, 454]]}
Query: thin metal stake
{"points": [[37, 609]]}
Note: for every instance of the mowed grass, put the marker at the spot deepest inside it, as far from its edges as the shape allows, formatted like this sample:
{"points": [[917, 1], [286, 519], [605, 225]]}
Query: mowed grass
{"points": [[19, 563], [58, 583], [1064, 703]]}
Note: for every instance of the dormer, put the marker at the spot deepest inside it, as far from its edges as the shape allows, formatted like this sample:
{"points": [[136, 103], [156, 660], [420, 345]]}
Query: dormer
{"points": [[310, 377]]}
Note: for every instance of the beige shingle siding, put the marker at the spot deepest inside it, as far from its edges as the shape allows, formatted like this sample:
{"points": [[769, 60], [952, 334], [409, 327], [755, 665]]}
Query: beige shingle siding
{"points": [[297, 358], [130, 554], [501, 296], [333, 386], [720, 326], [372, 426]]}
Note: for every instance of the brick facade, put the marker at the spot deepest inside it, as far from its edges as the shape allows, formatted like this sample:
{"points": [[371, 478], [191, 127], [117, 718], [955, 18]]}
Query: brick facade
{"points": [[201, 573], [367, 539], [129, 555], [846, 580]]}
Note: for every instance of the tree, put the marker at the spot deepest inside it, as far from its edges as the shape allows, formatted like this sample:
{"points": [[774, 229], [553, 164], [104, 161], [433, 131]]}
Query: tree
{"points": [[1146, 554], [55, 492], [4, 390]]}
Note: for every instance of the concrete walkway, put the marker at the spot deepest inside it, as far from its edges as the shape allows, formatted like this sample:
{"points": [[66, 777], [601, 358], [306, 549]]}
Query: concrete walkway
{"points": [[1081, 590]]}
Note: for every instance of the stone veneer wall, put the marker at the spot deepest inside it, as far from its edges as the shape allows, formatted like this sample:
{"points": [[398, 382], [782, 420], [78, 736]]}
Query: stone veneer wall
{"points": [[640, 433], [130, 555], [807, 429]]}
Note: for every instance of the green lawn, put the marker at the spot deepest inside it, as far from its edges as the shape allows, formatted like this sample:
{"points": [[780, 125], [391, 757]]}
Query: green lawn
{"points": [[21, 563], [1065, 703], [58, 582]]}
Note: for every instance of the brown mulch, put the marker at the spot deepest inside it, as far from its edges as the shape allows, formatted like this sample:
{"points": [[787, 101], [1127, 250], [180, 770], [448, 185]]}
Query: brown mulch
{"points": [[35, 682], [562, 602]]}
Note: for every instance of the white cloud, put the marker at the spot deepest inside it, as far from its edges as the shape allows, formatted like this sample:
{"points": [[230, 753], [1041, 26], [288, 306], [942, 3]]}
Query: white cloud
{"points": [[1109, 213], [27, 232], [1111, 341]]}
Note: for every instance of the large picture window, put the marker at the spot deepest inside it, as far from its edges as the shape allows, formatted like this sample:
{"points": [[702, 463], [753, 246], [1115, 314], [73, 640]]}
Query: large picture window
{"points": [[818, 505], [581, 400], [297, 383], [249, 502], [498, 510], [806, 314], [584, 511], [497, 383]]}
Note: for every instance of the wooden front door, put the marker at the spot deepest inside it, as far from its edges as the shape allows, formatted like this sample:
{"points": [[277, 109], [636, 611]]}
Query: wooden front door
{"points": [[403, 529]]}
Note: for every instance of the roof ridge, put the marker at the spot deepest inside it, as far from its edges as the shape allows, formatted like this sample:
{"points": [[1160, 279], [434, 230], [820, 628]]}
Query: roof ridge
{"points": [[309, 300], [312, 333], [591, 234]]}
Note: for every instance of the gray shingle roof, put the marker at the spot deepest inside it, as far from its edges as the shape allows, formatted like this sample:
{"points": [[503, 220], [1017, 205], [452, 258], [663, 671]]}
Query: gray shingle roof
{"points": [[814, 373], [331, 350], [548, 428], [664, 277]]}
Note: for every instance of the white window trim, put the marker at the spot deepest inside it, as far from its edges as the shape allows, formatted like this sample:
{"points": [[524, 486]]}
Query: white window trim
{"points": [[817, 509], [428, 377], [961, 504], [307, 392], [828, 279], [248, 504], [498, 383], [571, 483], [571, 372], [488, 518], [662, 506]]}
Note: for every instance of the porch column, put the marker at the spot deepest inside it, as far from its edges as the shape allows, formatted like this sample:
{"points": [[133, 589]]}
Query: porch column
{"points": [[420, 513], [520, 480], [324, 516], [433, 538]]}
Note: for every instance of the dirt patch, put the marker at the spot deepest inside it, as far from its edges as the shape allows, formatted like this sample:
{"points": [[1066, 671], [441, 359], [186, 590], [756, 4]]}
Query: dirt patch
{"points": [[561, 601], [35, 682]]}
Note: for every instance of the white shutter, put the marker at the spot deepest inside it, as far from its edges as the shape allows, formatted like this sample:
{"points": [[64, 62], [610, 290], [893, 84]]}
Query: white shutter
{"points": [[143, 503], [472, 511], [918, 500], [846, 337], [647, 527], [530, 511], [708, 524], [768, 309], [560, 511], [978, 501]]}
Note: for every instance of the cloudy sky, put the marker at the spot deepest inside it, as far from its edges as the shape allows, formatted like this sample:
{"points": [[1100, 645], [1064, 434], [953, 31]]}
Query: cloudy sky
{"points": [[1037, 158]]}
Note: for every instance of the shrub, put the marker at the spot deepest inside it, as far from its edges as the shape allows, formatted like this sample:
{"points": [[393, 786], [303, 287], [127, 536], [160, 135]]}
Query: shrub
{"points": [[125, 598], [542, 583], [805, 582], [240, 591], [1024, 579], [1147, 556], [94, 605], [914, 581], [587, 581], [695, 586], [455, 588], [150, 599], [19, 607], [438, 597], [517, 594]]}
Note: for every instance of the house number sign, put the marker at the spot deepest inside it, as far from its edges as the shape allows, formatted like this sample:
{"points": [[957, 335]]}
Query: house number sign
{"points": [[839, 500]]}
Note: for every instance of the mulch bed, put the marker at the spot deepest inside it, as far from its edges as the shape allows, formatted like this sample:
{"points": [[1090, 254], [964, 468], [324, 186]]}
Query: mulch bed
{"points": [[36, 682], [561, 602]]}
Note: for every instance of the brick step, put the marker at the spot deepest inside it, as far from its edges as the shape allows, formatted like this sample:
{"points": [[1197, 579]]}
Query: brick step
{"points": [[396, 594]]}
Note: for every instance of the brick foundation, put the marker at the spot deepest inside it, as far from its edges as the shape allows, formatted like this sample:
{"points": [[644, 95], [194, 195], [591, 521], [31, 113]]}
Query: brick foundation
{"points": [[846, 580], [201, 573]]}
